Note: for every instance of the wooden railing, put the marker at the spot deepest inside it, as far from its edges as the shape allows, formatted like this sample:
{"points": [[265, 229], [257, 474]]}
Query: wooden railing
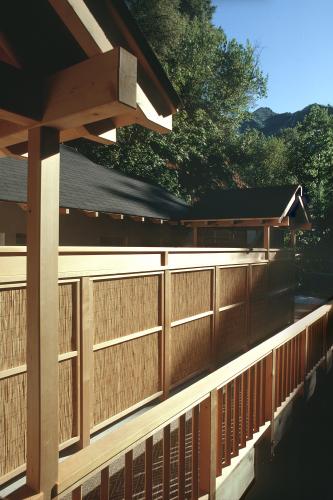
{"points": [[180, 447], [135, 323]]}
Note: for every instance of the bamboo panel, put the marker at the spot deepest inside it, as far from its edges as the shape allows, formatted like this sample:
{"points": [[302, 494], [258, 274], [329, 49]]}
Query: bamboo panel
{"points": [[231, 337], [281, 275], [125, 375], [13, 325], [124, 306], [67, 400], [260, 320], [12, 423], [280, 307], [259, 280], [233, 281], [67, 340], [191, 294], [190, 348]]}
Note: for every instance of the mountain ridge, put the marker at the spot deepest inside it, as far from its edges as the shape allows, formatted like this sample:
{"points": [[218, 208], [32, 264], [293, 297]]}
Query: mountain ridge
{"points": [[270, 123]]}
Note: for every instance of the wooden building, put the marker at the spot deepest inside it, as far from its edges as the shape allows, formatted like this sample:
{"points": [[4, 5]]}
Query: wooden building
{"points": [[103, 207]]}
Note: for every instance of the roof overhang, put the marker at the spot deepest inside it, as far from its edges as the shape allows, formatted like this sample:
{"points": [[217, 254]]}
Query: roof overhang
{"points": [[119, 83]]}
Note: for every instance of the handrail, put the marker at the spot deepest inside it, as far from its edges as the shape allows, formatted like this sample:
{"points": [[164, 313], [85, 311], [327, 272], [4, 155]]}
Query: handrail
{"points": [[78, 467]]}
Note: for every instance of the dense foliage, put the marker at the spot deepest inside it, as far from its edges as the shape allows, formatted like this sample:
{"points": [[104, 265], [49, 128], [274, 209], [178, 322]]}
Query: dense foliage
{"points": [[218, 81]]}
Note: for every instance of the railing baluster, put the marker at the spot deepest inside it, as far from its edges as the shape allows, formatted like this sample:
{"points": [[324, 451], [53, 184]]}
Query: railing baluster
{"points": [[181, 457], [227, 413], [129, 475], [105, 484], [219, 448], [77, 493], [276, 401], [166, 462], [250, 403], [257, 397], [262, 391], [243, 409], [195, 453], [149, 469], [208, 434], [235, 446], [283, 373]]}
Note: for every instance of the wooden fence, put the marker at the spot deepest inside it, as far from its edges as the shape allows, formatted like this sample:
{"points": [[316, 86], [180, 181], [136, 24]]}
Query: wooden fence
{"points": [[180, 447], [133, 324]]}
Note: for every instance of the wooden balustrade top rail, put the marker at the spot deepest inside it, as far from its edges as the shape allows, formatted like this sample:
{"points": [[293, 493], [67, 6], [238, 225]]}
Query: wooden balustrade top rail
{"points": [[97, 261], [85, 463]]}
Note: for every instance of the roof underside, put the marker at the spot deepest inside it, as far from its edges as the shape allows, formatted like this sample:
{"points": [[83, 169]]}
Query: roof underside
{"points": [[252, 203], [87, 186]]}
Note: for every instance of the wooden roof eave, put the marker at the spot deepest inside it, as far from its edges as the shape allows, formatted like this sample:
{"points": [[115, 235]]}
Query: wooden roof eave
{"points": [[85, 26], [235, 223]]}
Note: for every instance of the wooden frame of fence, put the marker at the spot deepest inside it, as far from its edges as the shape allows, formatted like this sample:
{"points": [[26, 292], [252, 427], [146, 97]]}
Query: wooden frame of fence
{"points": [[126, 308]]}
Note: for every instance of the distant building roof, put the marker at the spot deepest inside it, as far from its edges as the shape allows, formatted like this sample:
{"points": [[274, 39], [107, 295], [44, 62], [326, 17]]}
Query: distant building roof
{"points": [[251, 203], [87, 186]]}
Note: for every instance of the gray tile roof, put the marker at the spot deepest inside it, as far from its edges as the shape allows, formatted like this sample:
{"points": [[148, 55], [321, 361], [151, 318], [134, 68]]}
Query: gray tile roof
{"points": [[88, 186], [263, 202]]}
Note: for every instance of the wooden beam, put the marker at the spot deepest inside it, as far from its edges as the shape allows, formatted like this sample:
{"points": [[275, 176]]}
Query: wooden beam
{"points": [[42, 310], [76, 15], [95, 89], [89, 213], [137, 218], [116, 216], [62, 211], [236, 222]]}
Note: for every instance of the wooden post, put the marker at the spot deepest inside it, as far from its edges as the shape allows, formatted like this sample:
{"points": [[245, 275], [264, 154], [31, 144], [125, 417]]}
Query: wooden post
{"points": [[167, 334], [267, 239], [42, 310], [86, 360], [195, 236], [208, 444]]}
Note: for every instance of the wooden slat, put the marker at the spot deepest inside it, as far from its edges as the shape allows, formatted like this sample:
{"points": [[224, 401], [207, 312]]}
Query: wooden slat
{"points": [[149, 469], [86, 360], [236, 434], [42, 310], [243, 409], [77, 493], [219, 440], [262, 391], [129, 475], [227, 413], [181, 457], [105, 484], [270, 387], [195, 453], [256, 419], [250, 401], [166, 462], [207, 453]]}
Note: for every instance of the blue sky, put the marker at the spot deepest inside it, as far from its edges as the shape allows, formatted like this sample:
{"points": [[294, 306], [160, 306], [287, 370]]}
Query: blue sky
{"points": [[295, 40]]}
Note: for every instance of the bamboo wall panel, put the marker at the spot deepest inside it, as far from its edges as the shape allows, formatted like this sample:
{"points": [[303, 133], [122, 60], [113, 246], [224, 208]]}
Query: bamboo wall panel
{"points": [[13, 325], [281, 275], [231, 337], [259, 320], [125, 306], [259, 281], [233, 282], [124, 375], [67, 400], [67, 340], [191, 293], [281, 308], [190, 348], [12, 423]]}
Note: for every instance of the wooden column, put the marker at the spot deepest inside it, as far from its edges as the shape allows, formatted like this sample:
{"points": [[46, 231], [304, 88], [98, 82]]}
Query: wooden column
{"points": [[267, 239], [42, 310], [208, 444]]}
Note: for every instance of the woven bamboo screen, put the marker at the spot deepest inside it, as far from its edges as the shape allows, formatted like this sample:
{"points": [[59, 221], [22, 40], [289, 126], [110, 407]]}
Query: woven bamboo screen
{"points": [[232, 333], [191, 296], [127, 318], [13, 374], [233, 285]]}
